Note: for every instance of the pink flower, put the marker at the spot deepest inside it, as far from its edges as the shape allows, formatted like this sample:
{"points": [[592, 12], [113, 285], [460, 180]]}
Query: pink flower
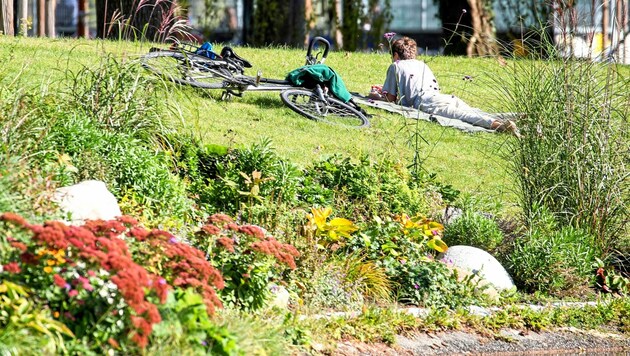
{"points": [[389, 35], [73, 293]]}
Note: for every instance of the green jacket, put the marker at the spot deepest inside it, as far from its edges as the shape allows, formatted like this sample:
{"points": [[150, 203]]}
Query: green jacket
{"points": [[309, 76]]}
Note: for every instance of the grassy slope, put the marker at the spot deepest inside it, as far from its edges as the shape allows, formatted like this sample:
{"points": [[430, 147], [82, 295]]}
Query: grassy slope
{"points": [[467, 161]]}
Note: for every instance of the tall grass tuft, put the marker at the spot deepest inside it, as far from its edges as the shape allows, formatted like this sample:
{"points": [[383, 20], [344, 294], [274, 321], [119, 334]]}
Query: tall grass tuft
{"points": [[116, 94], [574, 155], [146, 20]]}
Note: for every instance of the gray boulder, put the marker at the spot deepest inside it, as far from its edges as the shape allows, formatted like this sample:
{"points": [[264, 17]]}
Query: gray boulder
{"points": [[88, 200], [480, 263]]}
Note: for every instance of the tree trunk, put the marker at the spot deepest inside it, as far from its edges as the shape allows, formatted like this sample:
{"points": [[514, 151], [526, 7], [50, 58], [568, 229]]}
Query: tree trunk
{"points": [[50, 18], [41, 18], [337, 23], [309, 18], [82, 29], [6, 17], [483, 40], [154, 20]]}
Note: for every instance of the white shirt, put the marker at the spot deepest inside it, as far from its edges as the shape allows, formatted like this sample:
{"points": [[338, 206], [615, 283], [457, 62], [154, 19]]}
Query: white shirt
{"points": [[410, 80]]}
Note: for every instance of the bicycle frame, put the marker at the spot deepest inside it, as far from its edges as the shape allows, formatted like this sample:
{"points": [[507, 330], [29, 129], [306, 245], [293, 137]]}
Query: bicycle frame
{"points": [[267, 84]]}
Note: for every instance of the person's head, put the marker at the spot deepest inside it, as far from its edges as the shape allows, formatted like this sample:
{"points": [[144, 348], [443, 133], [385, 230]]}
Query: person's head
{"points": [[405, 47]]}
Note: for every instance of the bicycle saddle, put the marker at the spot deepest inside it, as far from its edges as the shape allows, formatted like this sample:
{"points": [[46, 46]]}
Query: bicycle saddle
{"points": [[228, 54]]}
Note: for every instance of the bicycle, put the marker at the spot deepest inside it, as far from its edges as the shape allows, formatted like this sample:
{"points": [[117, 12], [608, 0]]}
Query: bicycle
{"points": [[184, 64]]}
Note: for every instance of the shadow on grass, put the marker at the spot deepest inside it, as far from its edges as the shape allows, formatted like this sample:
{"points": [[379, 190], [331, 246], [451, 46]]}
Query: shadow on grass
{"points": [[267, 102]]}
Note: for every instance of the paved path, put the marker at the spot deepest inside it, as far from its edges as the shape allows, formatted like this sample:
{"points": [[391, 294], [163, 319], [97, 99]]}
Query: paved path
{"points": [[563, 341]]}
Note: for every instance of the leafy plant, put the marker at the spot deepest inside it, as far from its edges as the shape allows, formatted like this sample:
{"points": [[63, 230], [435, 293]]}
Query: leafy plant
{"points": [[365, 188], [232, 184], [404, 248], [474, 229], [186, 326], [88, 277], [552, 259], [609, 280], [328, 232], [247, 258], [28, 324]]}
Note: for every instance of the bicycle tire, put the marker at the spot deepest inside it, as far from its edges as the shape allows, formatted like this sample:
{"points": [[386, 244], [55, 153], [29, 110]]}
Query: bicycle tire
{"points": [[308, 104], [188, 69]]}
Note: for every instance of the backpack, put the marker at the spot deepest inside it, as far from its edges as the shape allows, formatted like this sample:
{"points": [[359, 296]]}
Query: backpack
{"points": [[310, 75]]}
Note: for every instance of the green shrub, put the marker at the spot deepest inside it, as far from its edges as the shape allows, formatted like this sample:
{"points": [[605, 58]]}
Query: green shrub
{"points": [[473, 229], [554, 260], [130, 167], [186, 328], [241, 180], [25, 190], [365, 188]]}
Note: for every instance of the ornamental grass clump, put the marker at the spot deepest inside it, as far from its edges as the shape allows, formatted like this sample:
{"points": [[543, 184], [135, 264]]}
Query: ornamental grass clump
{"points": [[573, 157], [248, 258]]}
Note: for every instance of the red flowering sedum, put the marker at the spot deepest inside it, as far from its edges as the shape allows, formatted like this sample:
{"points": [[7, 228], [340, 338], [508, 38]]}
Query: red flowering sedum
{"points": [[98, 245], [11, 267], [247, 256]]}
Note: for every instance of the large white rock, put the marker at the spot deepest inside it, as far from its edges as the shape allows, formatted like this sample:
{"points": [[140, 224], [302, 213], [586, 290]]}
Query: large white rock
{"points": [[88, 200], [280, 296], [480, 263]]}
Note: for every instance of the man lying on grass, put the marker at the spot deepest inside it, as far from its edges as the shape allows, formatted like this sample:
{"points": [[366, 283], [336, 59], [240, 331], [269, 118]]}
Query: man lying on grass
{"points": [[411, 83]]}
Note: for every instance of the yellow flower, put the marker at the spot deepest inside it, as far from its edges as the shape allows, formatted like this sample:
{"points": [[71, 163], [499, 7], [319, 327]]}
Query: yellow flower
{"points": [[318, 217], [56, 314], [51, 262], [334, 228], [48, 269]]}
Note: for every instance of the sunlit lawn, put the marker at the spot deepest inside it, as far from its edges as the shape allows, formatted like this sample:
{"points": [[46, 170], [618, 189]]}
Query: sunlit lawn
{"points": [[469, 162]]}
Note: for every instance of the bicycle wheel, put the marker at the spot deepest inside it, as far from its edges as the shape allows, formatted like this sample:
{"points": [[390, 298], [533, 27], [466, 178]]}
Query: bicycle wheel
{"points": [[308, 104], [188, 69]]}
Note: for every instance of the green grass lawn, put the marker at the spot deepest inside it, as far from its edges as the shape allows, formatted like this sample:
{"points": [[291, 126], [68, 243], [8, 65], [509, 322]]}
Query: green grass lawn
{"points": [[469, 162]]}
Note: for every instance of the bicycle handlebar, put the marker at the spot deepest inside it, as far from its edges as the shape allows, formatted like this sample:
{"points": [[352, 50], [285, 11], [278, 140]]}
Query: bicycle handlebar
{"points": [[309, 56]]}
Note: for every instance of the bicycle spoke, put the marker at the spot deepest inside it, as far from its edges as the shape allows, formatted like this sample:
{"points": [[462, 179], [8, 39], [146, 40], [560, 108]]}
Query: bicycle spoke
{"points": [[333, 111]]}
